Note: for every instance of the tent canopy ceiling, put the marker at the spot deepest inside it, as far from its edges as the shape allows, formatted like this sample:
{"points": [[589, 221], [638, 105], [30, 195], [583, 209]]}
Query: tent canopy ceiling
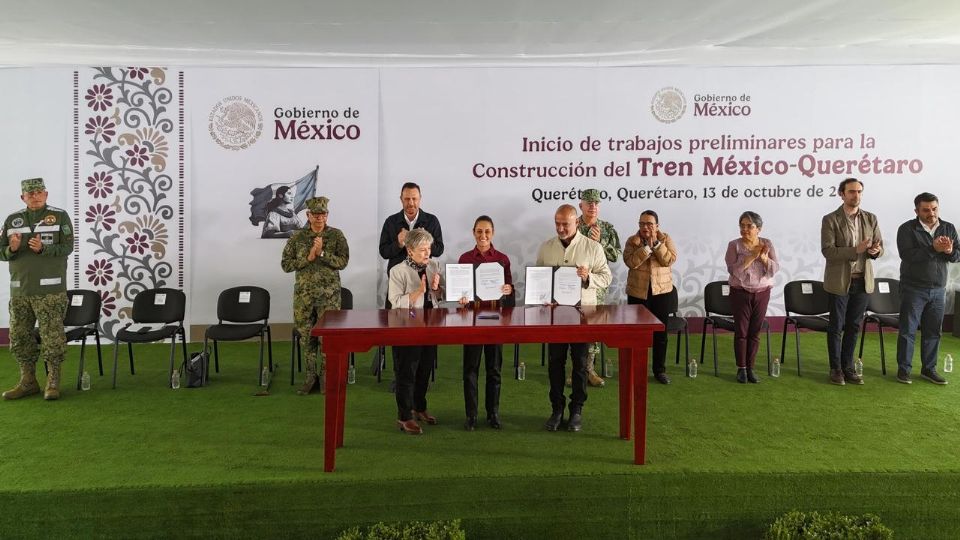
{"points": [[468, 32]]}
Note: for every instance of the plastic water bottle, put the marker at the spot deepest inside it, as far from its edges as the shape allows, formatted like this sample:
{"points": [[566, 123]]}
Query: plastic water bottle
{"points": [[85, 381], [265, 377], [352, 374], [175, 379], [522, 371], [948, 363], [775, 368], [858, 367], [692, 368]]}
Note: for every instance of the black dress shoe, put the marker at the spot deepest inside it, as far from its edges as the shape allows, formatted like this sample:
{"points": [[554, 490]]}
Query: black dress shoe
{"points": [[553, 423], [742, 375], [662, 378], [494, 420], [471, 423], [574, 424], [752, 377]]}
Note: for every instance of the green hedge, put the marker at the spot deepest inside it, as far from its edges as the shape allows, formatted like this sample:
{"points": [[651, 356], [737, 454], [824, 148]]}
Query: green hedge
{"points": [[413, 530], [797, 525]]}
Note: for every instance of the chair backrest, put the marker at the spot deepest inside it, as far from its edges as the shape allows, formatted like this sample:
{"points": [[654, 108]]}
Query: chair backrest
{"points": [[159, 306], [244, 304], [83, 307], [806, 297], [346, 298], [714, 299], [885, 298]]}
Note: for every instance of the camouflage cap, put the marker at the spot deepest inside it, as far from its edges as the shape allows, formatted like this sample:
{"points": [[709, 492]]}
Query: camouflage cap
{"points": [[590, 195], [317, 205], [32, 184]]}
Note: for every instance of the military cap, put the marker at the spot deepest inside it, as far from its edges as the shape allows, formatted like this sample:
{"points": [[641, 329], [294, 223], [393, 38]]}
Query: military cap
{"points": [[32, 184], [317, 205], [590, 195]]}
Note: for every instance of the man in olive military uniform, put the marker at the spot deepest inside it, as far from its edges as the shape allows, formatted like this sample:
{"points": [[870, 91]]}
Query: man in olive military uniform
{"points": [[36, 242], [316, 253], [590, 225]]}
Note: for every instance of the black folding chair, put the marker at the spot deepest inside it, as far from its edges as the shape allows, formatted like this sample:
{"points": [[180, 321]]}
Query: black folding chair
{"points": [[296, 352], [716, 302], [807, 306], [883, 307], [242, 313], [154, 306]]}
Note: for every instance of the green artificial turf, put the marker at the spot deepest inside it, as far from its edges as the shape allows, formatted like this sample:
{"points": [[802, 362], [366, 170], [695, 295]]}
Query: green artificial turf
{"points": [[723, 459]]}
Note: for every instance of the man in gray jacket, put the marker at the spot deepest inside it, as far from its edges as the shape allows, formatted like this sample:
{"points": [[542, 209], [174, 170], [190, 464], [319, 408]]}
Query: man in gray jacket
{"points": [[849, 240]]}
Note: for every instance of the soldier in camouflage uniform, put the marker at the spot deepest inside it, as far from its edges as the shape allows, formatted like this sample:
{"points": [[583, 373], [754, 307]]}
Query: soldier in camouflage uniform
{"points": [[590, 225], [316, 253], [36, 241]]}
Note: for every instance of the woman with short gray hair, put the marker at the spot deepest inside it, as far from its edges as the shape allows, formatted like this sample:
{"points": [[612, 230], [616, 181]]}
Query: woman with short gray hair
{"points": [[413, 286], [752, 263]]}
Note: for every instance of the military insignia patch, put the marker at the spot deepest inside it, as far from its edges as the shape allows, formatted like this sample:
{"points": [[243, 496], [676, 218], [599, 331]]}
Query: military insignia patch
{"points": [[17, 222], [66, 229], [49, 219]]}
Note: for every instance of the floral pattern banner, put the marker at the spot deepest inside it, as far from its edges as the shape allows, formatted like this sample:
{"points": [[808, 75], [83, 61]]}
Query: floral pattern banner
{"points": [[128, 185]]}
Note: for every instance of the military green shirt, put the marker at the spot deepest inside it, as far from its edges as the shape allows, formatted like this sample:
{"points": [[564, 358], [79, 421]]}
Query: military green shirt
{"points": [[609, 240], [610, 243], [34, 274], [319, 279]]}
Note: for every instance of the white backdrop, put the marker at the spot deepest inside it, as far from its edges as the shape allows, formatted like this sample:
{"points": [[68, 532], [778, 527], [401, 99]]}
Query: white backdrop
{"points": [[434, 126]]}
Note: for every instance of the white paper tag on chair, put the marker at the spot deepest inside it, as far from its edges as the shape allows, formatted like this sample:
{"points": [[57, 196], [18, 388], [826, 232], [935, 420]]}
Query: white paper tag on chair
{"points": [[76, 300], [883, 287], [725, 290], [806, 288], [160, 299], [244, 297]]}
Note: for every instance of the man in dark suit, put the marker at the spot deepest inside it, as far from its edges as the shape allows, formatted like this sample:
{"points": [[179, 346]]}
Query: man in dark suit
{"points": [[396, 227], [849, 240]]}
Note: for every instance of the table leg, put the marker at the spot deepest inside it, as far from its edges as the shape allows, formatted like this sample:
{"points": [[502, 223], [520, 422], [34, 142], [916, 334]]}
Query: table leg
{"points": [[639, 357], [626, 390], [331, 419], [342, 404]]}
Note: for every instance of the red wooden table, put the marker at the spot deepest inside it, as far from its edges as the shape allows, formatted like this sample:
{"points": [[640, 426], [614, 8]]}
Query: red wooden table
{"points": [[626, 327]]}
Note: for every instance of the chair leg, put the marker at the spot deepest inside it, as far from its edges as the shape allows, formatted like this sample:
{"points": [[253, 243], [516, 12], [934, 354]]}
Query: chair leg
{"points": [[686, 344], [83, 345], [783, 344], [183, 344], [173, 354], [130, 356], [883, 353], [116, 350], [769, 361], [203, 369], [260, 371], [96, 336], [863, 334], [703, 341], [216, 356], [686, 367], [516, 361], [716, 360], [796, 331], [270, 348]]}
